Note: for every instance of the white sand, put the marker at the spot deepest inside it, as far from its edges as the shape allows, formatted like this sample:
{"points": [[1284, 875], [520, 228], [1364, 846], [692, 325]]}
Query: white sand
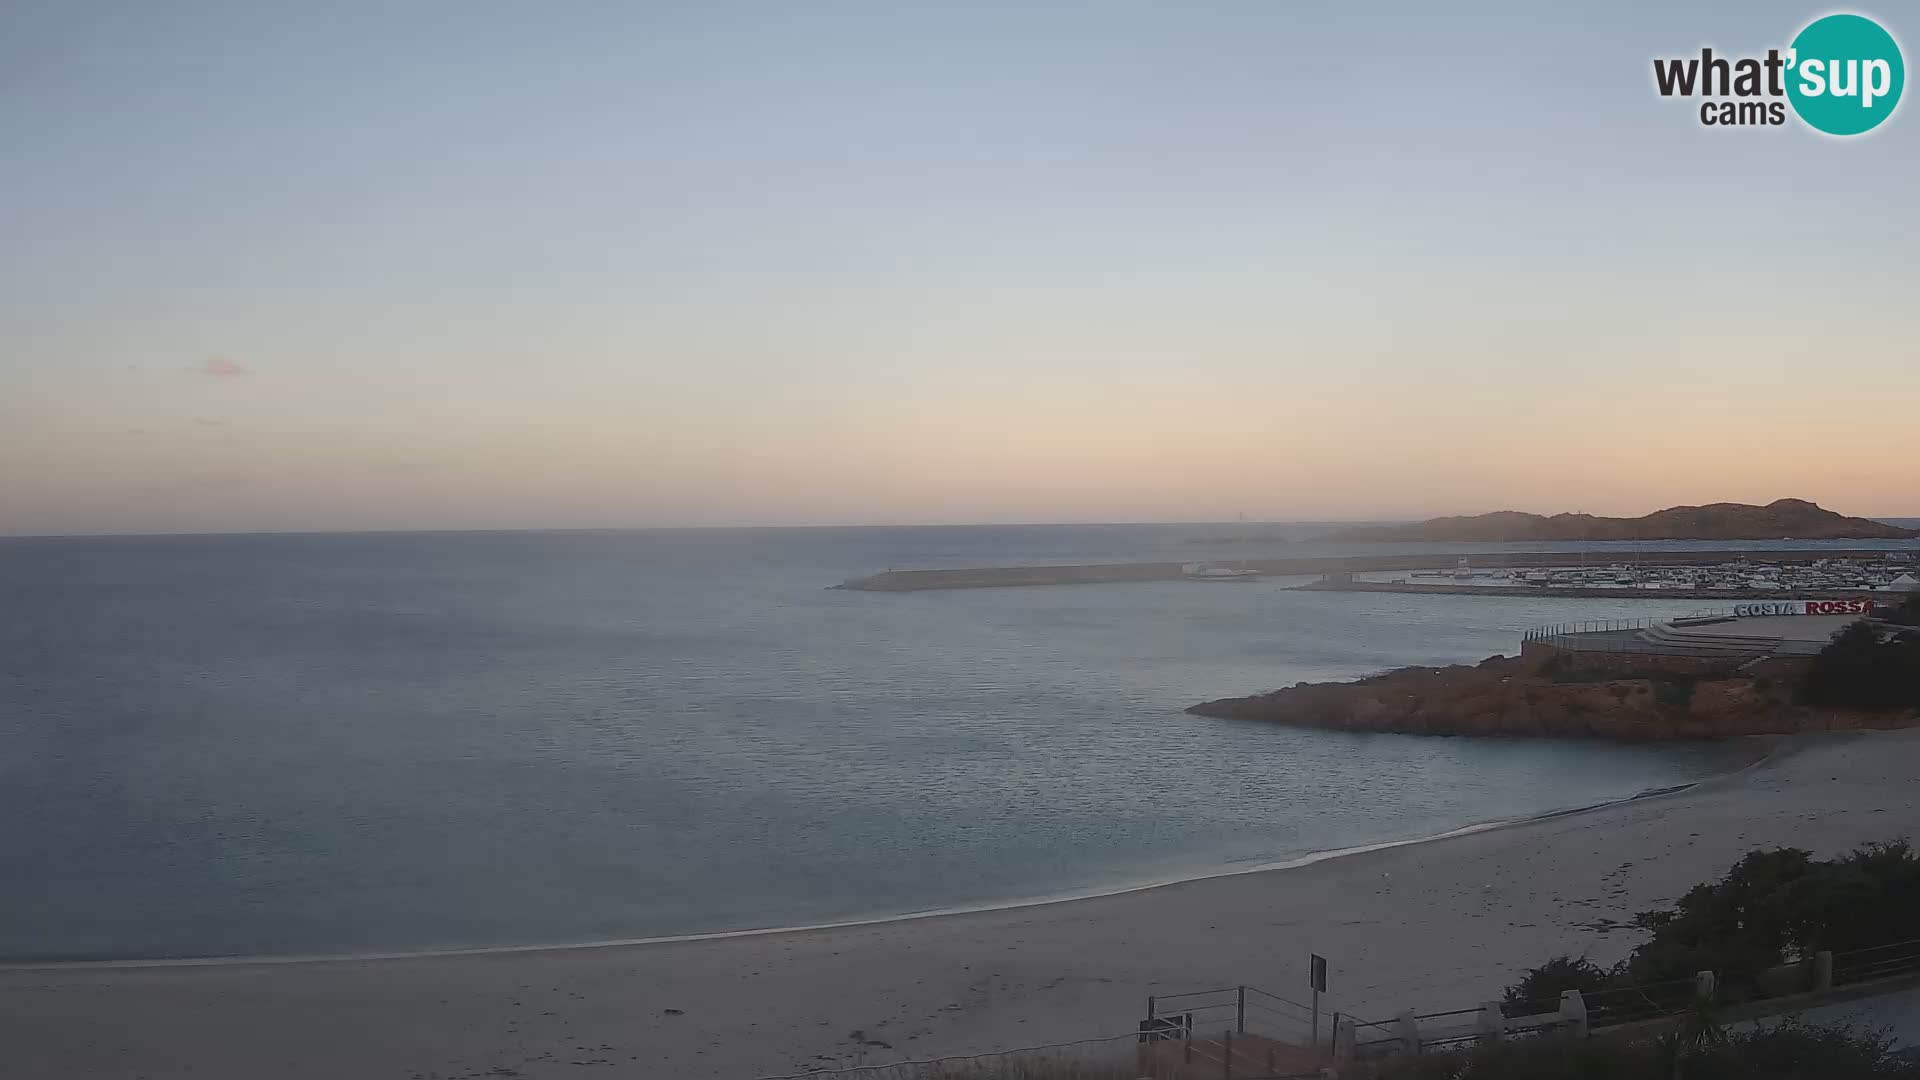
{"points": [[1434, 925]]}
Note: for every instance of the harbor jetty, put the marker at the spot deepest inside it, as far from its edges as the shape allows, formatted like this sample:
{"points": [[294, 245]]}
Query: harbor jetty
{"points": [[1336, 570]]}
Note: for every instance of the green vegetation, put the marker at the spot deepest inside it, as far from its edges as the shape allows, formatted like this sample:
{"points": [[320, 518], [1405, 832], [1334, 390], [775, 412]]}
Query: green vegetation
{"points": [[1672, 688], [1772, 908], [1790, 1051], [1538, 988], [1864, 669]]}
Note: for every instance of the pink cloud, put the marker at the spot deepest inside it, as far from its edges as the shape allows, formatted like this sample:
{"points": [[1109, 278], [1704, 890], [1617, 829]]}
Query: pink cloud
{"points": [[222, 368]]}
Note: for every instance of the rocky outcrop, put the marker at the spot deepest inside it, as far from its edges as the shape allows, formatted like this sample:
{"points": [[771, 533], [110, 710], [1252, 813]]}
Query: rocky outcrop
{"points": [[1535, 696]]}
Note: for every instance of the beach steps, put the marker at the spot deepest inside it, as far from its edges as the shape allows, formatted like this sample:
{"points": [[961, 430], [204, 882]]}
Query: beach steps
{"points": [[1670, 640]]}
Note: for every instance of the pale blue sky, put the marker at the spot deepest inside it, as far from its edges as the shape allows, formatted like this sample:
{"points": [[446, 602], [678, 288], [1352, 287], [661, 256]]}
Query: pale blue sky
{"points": [[619, 264]]}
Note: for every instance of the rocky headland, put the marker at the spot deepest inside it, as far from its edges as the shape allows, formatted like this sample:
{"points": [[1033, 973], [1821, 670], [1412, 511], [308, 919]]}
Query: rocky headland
{"points": [[1547, 694], [1782, 519]]}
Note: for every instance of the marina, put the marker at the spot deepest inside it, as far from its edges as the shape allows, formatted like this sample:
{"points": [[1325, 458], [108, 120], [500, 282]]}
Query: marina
{"points": [[1703, 574], [1745, 575]]}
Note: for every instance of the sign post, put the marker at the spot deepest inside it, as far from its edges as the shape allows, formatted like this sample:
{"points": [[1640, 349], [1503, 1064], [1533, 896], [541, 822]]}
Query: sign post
{"points": [[1317, 976]]}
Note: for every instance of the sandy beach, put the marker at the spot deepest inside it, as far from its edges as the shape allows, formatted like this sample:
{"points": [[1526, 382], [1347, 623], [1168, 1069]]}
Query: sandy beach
{"points": [[1438, 924]]}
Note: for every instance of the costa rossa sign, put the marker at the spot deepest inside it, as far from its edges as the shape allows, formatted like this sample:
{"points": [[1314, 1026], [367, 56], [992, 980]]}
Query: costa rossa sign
{"points": [[1853, 606]]}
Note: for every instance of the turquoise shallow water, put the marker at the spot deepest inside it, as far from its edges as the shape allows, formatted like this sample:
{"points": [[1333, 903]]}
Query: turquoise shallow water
{"points": [[310, 744]]}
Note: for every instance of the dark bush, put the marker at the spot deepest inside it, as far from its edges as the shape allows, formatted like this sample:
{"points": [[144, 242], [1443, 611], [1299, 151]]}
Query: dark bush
{"points": [[1736, 927], [1861, 900], [1674, 690], [1791, 1051], [1796, 1051], [1907, 613], [1539, 990], [1860, 670], [1771, 908]]}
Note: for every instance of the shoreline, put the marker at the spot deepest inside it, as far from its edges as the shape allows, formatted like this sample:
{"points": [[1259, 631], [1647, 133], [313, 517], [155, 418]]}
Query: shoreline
{"points": [[1769, 748], [1425, 924]]}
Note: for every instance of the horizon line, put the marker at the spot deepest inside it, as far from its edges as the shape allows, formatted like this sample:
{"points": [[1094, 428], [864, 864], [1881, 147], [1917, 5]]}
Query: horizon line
{"points": [[1889, 519]]}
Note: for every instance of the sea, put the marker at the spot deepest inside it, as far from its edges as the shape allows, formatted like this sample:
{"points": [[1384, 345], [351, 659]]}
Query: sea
{"points": [[305, 745]]}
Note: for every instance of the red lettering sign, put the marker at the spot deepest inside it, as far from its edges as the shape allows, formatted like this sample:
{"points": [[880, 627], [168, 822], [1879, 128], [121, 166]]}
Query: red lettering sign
{"points": [[1839, 607]]}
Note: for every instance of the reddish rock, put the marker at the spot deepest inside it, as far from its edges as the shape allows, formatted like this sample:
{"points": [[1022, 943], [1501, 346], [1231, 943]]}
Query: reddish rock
{"points": [[1519, 696]]}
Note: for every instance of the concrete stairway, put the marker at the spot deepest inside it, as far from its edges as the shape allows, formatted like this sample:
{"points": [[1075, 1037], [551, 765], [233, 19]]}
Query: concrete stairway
{"points": [[1667, 639]]}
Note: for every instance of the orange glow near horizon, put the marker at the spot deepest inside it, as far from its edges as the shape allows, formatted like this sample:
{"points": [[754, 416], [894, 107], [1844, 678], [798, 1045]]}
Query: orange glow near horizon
{"points": [[599, 447]]}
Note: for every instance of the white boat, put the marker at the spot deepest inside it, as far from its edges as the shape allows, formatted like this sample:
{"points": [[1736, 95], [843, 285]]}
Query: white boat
{"points": [[1199, 571]]}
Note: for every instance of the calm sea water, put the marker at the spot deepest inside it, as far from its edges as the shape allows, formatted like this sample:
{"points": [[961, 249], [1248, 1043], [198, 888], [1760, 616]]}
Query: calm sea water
{"points": [[300, 744]]}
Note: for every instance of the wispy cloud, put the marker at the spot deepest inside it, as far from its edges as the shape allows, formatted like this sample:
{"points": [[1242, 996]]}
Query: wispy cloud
{"points": [[220, 367], [204, 422]]}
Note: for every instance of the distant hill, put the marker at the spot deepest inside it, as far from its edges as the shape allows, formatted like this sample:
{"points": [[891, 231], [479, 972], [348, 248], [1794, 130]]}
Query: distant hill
{"points": [[1784, 519]]}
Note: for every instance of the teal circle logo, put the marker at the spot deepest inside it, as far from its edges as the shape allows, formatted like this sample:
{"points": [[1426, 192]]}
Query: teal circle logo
{"points": [[1845, 74]]}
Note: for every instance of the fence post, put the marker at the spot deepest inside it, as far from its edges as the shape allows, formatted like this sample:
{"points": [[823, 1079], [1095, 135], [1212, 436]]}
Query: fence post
{"points": [[1150, 1015], [1492, 1022], [1822, 970], [1573, 1013], [1409, 1032], [1345, 1034], [1240, 1013]]}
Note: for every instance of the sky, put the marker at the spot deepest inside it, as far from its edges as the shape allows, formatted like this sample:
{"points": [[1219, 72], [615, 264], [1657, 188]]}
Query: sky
{"points": [[269, 266]]}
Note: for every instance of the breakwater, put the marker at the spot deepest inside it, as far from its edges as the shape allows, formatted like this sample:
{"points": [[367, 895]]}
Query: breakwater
{"points": [[988, 577]]}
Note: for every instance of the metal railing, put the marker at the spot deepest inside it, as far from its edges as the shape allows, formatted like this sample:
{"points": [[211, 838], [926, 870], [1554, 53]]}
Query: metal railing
{"points": [[1454, 1035], [1241, 1032], [1244, 1009], [1876, 962], [1641, 1001], [1594, 626], [1586, 626]]}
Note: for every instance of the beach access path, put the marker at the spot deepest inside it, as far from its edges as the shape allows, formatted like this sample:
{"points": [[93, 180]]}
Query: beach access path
{"points": [[1436, 925]]}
